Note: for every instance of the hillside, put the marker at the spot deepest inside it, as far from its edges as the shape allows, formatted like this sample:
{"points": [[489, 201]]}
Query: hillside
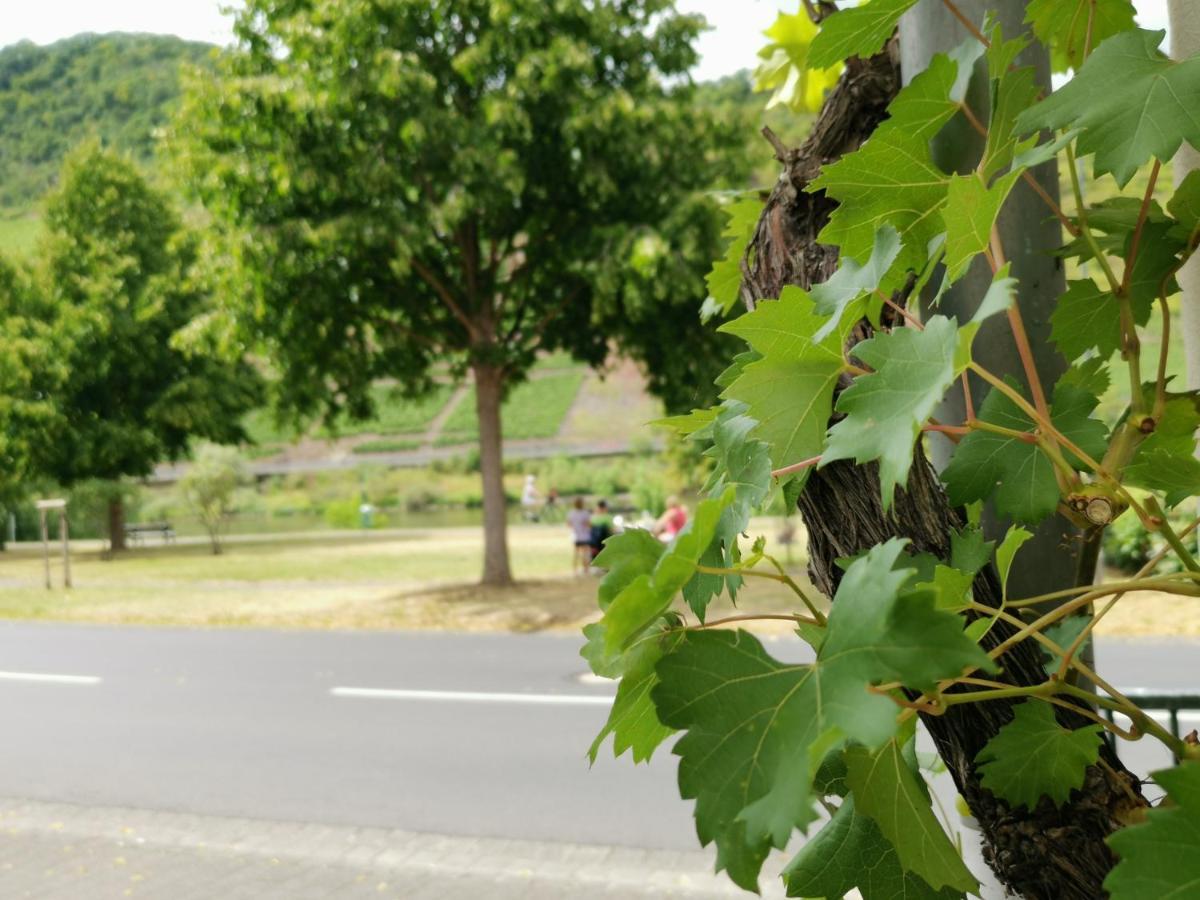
{"points": [[118, 87]]}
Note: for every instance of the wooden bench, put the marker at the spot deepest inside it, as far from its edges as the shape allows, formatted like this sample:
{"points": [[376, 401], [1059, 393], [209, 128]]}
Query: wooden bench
{"points": [[138, 532]]}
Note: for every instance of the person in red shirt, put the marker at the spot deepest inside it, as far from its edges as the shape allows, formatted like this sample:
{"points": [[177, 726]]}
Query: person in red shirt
{"points": [[671, 522]]}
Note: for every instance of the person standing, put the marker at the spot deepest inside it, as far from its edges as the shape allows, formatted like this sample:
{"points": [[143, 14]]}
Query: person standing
{"points": [[530, 500], [602, 527], [671, 522], [579, 520]]}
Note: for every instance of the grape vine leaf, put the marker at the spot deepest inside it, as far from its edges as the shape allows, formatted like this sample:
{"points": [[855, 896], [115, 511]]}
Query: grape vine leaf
{"points": [[885, 409], [1130, 100], [1000, 295], [789, 391], [1063, 633], [787, 66], [853, 285], [745, 465], [1063, 26], [1161, 857], [1086, 318], [725, 278], [1166, 460], [858, 31], [757, 729], [633, 721], [1090, 375], [892, 179], [969, 551], [887, 790], [850, 852], [687, 424], [625, 556], [972, 206], [1184, 206], [1033, 756], [1014, 539], [1016, 475], [1014, 91], [648, 595]]}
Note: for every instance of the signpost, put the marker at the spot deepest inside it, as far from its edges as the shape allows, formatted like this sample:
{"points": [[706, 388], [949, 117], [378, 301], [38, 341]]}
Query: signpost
{"points": [[43, 507]]}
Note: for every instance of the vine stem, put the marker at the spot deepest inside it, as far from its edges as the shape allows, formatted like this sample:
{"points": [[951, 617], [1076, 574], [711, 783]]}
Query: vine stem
{"points": [[1085, 229], [1061, 672], [1168, 533], [782, 577], [966, 23], [753, 617], [1017, 324], [796, 467]]}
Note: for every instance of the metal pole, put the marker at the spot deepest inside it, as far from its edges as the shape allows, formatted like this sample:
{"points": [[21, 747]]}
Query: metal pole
{"points": [[45, 545], [66, 546]]}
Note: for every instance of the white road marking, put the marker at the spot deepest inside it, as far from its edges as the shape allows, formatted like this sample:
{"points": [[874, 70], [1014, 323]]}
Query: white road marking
{"points": [[47, 678], [472, 696]]}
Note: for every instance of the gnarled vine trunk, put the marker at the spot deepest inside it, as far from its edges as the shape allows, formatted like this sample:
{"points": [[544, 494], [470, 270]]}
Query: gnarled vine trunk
{"points": [[1046, 852]]}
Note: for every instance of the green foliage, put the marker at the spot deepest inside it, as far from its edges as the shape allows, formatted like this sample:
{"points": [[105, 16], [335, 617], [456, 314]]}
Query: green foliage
{"points": [[209, 485], [116, 290], [725, 277], [1161, 858], [119, 88], [1033, 756], [786, 69], [1129, 100], [762, 740]]}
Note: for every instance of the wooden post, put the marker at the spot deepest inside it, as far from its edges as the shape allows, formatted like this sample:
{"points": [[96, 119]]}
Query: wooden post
{"points": [[45, 545], [63, 530]]}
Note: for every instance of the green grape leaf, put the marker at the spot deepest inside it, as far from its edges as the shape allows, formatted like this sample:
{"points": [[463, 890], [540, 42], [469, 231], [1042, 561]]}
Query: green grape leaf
{"points": [[1016, 475], [1033, 757], [1000, 295], [787, 68], [1161, 857], [757, 730], [625, 556], [688, 424], [1062, 25], [1130, 100], [848, 853], [892, 178], [725, 278], [1155, 264], [633, 721], [1166, 460], [1184, 206], [1014, 539], [951, 587], [1086, 318], [1064, 632], [884, 410], [972, 207], [969, 552], [1091, 375], [735, 369], [745, 465], [789, 391], [853, 285], [648, 595], [858, 31], [1014, 91], [887, 790]]}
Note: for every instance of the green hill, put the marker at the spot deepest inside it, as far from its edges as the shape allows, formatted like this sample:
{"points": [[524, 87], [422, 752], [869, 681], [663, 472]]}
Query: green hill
{"points": [[118, 87]]}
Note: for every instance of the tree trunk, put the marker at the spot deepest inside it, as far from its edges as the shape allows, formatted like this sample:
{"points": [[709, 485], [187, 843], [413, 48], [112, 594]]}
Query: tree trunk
{"points": [[116, 523], [1042, 853], [489, 389]]}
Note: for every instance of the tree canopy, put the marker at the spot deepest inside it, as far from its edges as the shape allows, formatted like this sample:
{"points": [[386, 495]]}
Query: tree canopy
{"points": [[412, 184]]}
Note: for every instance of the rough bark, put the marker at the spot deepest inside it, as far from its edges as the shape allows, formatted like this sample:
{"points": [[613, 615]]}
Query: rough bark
{"points": [[116, 524], [489, 390], [1043, 853]]}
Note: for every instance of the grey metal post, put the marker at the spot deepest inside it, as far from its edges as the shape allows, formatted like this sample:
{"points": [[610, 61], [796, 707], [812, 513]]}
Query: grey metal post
{"points": [[66, 546], [45, 545], [1028, 232]]}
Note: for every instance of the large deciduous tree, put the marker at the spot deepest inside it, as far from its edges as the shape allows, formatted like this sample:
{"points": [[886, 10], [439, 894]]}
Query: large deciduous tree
{"points": [[407, 184], [115, 265]]}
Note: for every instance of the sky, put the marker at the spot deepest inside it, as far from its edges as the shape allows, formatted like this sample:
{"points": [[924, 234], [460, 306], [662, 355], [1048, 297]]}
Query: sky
{"points": [[731, 45]]}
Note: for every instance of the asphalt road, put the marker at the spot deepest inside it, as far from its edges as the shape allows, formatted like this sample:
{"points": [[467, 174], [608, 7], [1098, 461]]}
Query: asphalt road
{"points": [[480, 735]]}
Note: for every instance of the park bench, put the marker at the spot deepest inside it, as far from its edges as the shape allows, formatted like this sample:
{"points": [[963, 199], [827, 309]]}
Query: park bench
{"points": [[137, 533]]}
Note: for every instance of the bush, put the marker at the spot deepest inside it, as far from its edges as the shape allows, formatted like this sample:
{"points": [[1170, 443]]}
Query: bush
{"points": [[342, 514], [209, 487]]}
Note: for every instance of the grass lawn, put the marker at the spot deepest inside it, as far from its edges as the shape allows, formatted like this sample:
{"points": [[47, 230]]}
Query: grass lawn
{"points": [[398, 579]]}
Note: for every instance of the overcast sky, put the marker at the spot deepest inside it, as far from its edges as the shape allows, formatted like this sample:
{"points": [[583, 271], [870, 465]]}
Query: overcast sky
{"points": [[731, 45]]}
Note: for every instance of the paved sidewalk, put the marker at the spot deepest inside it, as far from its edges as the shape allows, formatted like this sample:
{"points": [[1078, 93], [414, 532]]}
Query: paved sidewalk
{"points": [[58, 851]]}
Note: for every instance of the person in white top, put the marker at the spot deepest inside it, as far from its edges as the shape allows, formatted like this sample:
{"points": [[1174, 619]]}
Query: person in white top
{"points": [[580, 522], [530, 499]]}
